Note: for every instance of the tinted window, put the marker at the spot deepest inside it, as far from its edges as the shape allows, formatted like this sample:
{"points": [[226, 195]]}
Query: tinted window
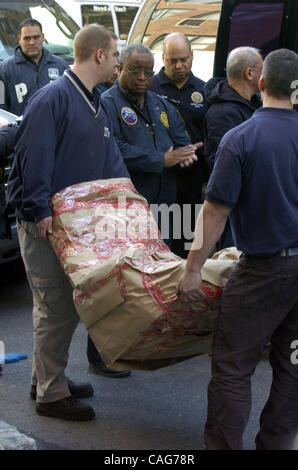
{"points": [[258, 25], [100, 14], [125, 16]]}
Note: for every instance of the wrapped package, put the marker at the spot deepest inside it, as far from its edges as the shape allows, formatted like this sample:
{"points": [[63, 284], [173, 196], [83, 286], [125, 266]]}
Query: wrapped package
{"points": [[125, 277]]}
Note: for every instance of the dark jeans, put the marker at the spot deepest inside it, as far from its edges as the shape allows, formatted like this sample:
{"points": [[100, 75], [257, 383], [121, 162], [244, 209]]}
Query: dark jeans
{"points": [[259, 305]]}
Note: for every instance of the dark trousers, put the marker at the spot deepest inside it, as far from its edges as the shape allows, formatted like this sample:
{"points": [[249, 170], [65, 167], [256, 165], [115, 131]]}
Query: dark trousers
{"points": [[259, 305], [92, 353]]}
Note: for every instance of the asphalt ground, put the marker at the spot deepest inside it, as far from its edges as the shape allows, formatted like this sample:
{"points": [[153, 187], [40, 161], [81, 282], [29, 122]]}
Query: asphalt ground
{"points": [[159, 410]]}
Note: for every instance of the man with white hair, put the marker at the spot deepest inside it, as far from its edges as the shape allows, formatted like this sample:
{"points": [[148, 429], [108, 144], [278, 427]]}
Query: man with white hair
{"points": [[232, 102]]}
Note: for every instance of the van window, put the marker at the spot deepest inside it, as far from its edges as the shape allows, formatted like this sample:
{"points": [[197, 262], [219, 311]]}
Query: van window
{"points": [[101, 14], [58, 27], [198, 19], [125, 16], [259, 23]]}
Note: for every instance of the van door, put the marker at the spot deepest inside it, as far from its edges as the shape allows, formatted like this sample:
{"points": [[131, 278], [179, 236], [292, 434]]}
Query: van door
{"points": [[264, 24]]}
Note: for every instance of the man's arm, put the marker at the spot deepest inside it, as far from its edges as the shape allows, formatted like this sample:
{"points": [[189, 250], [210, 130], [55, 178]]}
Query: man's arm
{"points": [[210, 225], [35, 151]]}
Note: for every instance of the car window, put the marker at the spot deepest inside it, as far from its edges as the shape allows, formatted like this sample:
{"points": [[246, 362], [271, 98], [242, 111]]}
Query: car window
{"points": [[58, 27]]}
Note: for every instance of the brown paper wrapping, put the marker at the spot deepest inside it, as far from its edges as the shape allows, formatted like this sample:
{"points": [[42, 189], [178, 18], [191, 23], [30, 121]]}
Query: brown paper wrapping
{"points": [[125, 278]]}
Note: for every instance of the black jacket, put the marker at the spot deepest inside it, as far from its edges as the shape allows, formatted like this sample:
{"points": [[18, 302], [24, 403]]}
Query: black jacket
{"points": [[227, 109]]}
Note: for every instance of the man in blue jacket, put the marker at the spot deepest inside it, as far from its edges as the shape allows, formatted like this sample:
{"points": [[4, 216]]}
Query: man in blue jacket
{"points": [[64, 138], [30, 68], [176, 82], [149, 132]]}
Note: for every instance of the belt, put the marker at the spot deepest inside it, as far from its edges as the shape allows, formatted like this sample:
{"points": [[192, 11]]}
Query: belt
{"points": [[285, 253]]}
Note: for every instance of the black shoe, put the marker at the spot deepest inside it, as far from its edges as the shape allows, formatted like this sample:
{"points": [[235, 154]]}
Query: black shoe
{"points": [[67, 408], [102, 369], [83, 390]]}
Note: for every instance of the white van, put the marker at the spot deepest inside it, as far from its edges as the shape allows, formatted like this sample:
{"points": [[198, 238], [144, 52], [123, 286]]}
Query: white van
{"points": [[116, 15]]}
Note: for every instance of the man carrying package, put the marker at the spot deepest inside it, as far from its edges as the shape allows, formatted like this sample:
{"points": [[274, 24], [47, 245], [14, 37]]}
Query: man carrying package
{"points": [[258, 161], [65, 138]]}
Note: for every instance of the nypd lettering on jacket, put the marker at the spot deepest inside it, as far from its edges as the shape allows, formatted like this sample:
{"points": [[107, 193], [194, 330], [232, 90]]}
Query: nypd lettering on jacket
{"points": [[22, 77]]}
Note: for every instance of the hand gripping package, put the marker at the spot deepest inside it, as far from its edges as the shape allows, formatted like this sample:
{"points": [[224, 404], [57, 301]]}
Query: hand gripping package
{"points": [[124, 277]]}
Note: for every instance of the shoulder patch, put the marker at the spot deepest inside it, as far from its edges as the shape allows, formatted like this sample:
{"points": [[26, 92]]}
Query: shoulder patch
{"points": [[197, 97], [164, 119], [53, 73], [129, 116]]}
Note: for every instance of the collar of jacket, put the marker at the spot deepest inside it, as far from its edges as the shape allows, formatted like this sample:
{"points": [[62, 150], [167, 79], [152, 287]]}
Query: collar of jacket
{"points": [[20, 56], [128, 96], [165, 80]]}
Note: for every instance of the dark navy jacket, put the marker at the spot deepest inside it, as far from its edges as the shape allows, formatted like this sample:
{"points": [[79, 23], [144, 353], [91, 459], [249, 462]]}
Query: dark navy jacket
{"points": [[60, 142], [143, 138], [227, 110], [190, 101], [7, 140], [23, 77], [255, 174]]}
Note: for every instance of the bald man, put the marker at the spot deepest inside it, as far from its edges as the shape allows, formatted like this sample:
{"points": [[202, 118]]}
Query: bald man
{"points": [[176, 82]]}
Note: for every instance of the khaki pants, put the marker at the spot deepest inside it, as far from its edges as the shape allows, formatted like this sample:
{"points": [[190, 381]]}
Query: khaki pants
{"points": [[55, 318]]}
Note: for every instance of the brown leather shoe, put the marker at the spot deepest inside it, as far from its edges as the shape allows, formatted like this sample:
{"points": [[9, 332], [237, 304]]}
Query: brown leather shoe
{"points": [[102, 369], [83, 390], [67, 408]]}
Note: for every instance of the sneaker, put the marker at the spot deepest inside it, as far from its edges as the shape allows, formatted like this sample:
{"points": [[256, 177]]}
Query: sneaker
{"points": [[102, 369], [67, 408], [83, 390]]}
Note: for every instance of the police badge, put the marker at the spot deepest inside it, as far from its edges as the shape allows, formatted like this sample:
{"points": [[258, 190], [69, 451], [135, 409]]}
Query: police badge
{"points": [[53, 74], [197, 97], [164, 119]]}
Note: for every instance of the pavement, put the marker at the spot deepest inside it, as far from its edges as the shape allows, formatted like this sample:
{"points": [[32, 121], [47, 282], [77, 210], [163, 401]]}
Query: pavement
{"points": [[159, 410]]}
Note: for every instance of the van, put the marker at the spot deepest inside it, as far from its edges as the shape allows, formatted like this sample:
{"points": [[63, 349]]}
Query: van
{"points": [[216, 27], [116, 15]]}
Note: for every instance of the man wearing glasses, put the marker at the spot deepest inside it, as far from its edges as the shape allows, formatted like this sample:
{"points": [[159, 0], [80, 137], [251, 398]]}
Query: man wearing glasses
{"points": [[149, 132], [30, 68]]}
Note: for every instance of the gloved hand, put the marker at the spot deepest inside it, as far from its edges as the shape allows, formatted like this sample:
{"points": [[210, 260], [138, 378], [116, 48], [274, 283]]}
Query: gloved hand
{"points": [[14, 357]]}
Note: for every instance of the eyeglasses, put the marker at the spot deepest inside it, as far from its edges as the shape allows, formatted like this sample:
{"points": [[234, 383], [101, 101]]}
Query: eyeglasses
{"points": [[136, 73], [258, 68]]}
